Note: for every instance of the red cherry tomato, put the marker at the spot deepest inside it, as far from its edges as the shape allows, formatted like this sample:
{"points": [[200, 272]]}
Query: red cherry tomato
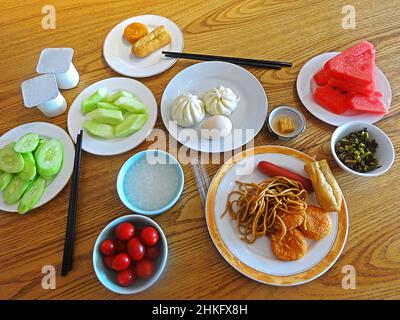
{"points": [[124, 231], [152, 253], [121, 262], [126, 277], [144, 268], [108, 260], [121, 246], [149, 236], [135, 249], [108, 247]]}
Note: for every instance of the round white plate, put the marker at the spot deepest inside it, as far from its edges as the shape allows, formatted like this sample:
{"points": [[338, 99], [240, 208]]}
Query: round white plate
{"points": [[49, 131], [247, 119], [117, 50], [257, 260], [306, 86], [103, 147]]}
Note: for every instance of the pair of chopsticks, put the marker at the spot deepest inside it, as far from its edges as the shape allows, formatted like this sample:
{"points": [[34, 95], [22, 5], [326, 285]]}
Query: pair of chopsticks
{"points": [[241, 61], [73, 202]]}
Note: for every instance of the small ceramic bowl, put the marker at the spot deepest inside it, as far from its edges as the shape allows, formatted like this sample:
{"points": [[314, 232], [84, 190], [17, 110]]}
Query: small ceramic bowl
{"points": [[107, 277], [286, 111], [384, 152], [170, 160]]}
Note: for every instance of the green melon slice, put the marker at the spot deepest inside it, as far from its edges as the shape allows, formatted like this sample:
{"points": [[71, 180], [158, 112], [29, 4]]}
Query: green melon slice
{"points": [[131, 124]]}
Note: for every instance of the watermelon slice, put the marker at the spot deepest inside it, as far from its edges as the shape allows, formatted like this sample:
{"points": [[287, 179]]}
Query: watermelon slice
{"points": [[368, 103], [356, 65], [321, 77], [332, 99], [351, 88]]}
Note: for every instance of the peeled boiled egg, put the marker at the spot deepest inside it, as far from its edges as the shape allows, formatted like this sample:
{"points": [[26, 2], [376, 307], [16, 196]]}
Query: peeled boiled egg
{"points": [[216, 127]]}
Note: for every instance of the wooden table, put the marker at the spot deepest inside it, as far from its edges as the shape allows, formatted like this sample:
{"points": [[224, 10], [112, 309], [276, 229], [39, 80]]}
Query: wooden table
{"points": [[285, 30]]}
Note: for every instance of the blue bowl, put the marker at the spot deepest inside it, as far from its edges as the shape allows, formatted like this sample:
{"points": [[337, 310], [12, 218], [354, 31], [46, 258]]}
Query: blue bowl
{"points": [[135, 158]]}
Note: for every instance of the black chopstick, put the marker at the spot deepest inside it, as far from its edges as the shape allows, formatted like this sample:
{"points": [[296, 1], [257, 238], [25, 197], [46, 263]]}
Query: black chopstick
{"points": [[243, 61], [73, 202]]}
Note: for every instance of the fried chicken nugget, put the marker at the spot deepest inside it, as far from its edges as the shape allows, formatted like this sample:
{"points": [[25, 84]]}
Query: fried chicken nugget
{"points": [[291, 219], [292, 247], [318, 223]]}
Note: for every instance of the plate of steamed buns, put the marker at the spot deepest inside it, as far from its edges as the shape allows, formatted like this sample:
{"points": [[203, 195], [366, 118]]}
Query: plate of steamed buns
{"points": [[214, 107]]}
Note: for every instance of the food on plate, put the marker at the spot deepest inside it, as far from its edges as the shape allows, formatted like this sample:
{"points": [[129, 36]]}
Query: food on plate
{"points": [[216, 127], [347, 82], [187, 110], [117, 115], [357, 151], [134, 31], [255, 207], [136, 258], [273, 170], [285, 125], [293, 245], [151, 42], [220, 101], [26, 165], [291, 219], [317, 224], [327, 191]]}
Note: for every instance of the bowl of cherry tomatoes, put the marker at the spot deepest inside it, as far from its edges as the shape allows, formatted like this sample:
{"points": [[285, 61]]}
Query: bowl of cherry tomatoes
{"points": [[130, 254]]}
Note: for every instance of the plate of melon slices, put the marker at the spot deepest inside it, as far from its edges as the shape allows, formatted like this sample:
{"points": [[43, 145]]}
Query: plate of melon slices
{"points": [[116, 114], [339, 87]]}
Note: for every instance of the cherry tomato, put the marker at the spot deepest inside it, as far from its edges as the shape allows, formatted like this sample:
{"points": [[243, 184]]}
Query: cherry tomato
{"points": [[152, 253], [124, 231], [121, 262], [149, 236], [135, 249], [121, 246], [126, 277], [108, 247], [144, 268], [108, 260]]}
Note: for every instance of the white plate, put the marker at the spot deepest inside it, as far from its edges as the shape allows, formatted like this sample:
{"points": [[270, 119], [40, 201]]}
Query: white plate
{"points": [[306, 86], [197, 79], [103, 147], [117, 50], [257, 260], [47, 130]]}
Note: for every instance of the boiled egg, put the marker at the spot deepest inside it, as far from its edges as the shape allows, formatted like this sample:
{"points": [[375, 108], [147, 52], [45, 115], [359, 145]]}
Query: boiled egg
{"points": [[216, 127]]}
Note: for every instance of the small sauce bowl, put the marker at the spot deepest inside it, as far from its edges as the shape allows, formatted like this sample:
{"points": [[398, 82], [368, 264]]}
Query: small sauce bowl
{"points": [[289, 112]]}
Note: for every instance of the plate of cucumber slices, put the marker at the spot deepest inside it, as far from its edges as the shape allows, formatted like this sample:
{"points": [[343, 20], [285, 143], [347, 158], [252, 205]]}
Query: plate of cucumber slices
{"points": [[36, 162], [117, 114]]}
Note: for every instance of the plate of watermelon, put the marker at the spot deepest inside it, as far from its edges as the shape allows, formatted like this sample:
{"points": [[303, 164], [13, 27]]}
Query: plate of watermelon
{"points": [[339, 87]]}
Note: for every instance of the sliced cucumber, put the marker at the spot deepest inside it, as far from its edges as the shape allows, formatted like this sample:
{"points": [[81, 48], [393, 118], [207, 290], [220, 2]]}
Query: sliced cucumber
{"points": [[27, 143], [15, 189], [89, 104], [11, 161], [49, 158], [118, 94], [5, 179], [106, 116], [107, 105], [132, 105], [32, 195], [98, 129], [131, 124], [29, 171]]}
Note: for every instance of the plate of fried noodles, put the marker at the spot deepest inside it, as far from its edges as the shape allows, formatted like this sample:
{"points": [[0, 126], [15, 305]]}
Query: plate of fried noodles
{"points": [[271, 229]]}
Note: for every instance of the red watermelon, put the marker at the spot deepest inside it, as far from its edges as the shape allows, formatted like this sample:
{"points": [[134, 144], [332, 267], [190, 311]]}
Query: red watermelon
{"points": [[351, 88], [321, 77], [355, 65], [332, 99], [368, 103]]}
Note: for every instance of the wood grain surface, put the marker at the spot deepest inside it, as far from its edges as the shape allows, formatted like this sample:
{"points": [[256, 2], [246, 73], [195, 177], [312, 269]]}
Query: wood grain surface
{"points": [[286, 30]]}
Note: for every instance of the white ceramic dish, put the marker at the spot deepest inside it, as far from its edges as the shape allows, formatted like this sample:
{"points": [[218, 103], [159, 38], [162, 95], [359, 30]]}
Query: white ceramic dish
{"points": [[49, 131], [103, 147], [250, 114], [256, 260], [384, 152], [117, 50], [306, 86]]}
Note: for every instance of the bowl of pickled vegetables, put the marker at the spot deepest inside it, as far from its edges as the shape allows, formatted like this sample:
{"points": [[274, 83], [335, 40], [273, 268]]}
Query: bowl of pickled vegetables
{"points": [[362, 149]]}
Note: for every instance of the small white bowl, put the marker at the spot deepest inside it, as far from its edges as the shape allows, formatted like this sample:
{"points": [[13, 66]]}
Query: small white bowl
{"points": [[384, 152], [292, 113]]}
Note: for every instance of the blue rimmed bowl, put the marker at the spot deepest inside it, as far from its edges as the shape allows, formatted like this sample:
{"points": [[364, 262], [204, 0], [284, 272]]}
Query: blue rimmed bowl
{"points": [[157, 155]]}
